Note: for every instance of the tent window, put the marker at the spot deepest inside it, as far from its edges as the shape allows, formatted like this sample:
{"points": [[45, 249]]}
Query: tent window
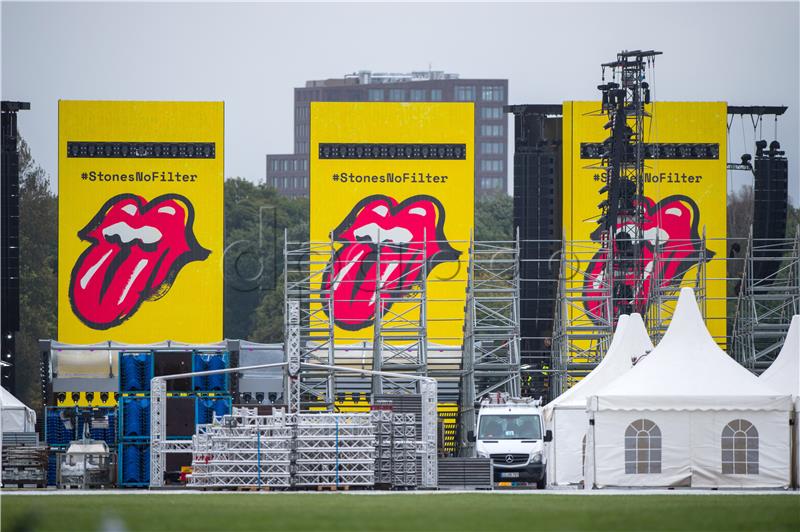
{"points": [[642, 447], [739, 448]]}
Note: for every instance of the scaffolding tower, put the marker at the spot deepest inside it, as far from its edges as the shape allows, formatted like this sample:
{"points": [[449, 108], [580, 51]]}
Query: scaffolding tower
{"points": [[491, 361], [766, 303], [582, 325], [399, 340], [400, 332], [664, 291], [309, 321], [582, 328]]}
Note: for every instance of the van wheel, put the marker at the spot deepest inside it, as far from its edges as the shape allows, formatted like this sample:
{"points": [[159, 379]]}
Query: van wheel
{"points": [[542, 484]]}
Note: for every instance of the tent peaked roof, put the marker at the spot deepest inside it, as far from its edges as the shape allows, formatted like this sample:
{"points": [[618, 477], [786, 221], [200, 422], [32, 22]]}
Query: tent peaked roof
{"points": [[784, 373], [8, 400], [630, 341], [687, 370]]}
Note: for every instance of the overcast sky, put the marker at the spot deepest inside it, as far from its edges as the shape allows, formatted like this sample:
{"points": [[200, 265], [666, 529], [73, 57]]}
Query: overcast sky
{"points": [[252, 55]]}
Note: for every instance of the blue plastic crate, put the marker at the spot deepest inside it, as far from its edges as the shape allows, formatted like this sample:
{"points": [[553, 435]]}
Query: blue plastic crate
{"points": [[134, 464], [206, 407], [208, 362], [134, 417], [135, 371], [55, 429], [52, 468], [107, 434]]}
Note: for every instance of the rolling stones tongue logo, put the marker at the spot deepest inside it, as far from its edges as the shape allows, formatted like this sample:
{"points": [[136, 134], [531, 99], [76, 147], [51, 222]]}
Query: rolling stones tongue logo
{"points": [[384, 242], [137, 250], [671, 224]]}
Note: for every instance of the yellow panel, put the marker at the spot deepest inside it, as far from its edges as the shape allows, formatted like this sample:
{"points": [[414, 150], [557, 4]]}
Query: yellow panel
{"points": [[140, 239], [83, 400], [684, 192], [391, 192]]}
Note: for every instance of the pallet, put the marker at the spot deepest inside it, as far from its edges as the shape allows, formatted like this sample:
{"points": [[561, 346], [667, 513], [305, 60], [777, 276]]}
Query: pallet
{"points": [[251, 488], [334, 487]]}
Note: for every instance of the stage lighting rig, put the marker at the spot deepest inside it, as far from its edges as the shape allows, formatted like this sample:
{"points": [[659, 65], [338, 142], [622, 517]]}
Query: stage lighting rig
{"points": [[622, 219]]}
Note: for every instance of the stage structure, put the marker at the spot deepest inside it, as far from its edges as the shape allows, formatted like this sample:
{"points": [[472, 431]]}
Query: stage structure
{"points": [[401, 344], [621, 223], [580, 340]]}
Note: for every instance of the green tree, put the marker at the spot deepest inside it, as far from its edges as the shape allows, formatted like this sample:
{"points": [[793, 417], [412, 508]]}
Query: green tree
{"points": [[38, 272], [255, 219], [494, 218]]}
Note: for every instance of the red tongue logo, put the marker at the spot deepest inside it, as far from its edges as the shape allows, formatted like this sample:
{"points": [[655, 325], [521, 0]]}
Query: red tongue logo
{"points": [[384, 242], [672, 224], [137, 250]]}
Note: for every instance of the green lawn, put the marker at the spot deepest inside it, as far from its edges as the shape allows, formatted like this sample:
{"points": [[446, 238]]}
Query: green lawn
{"points": [[461, 512]]}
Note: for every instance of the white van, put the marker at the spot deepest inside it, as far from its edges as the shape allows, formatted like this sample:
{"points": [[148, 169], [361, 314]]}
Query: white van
{"points": [[511, 432]]}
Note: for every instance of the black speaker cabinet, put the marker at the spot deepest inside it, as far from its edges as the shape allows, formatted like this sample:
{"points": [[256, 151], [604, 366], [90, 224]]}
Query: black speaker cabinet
{"points": [[770, 203], [180, 416], [172, 363]]}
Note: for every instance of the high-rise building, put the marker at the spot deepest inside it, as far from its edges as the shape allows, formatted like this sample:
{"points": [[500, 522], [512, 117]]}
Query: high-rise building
{"points": [[289, 173]]}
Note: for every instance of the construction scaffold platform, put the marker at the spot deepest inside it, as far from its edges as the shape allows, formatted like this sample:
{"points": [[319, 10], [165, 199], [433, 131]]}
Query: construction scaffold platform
{"points": [[423, 321], [747, 298]]}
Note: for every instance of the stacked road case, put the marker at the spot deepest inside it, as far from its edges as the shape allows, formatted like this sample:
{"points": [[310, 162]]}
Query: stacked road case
{"points": [[24, 460]]}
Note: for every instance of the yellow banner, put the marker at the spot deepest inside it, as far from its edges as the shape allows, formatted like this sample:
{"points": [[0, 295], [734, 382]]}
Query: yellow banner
{"points": [[392, 185], [140, 221], [685, 189]]}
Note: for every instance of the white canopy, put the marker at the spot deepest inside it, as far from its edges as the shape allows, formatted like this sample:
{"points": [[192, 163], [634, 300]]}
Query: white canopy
{"points": [[16, 417], [688, 415], [688, 371], [630, 342], [566, 414], [783, 375]]}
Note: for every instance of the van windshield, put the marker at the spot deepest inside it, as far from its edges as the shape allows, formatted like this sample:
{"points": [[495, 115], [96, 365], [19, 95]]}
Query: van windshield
{"points": [[510, 427]]}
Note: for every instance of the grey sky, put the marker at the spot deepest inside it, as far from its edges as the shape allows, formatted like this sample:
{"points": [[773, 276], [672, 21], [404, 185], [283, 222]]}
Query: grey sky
{"points": [[252, 55]]}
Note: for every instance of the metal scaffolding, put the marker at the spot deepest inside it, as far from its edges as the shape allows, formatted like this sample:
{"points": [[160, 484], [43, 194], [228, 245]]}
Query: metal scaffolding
{"points": [[309, 320], [491, 361], [400, 336], [398, 342], [768, 297], [401, 340], [664, 291], [764, 296], [582, 332], [582, 327]]}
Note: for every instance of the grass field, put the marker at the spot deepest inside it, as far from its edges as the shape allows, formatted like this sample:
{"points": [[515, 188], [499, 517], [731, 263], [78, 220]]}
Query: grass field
{"points": [[422, 512]]}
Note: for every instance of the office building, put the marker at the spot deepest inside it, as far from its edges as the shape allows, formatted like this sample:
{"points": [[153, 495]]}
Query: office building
{"points": [[289, 173]]}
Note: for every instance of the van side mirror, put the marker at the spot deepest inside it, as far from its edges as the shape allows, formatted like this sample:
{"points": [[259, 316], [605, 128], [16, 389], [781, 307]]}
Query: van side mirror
{"points": [[548, 435], [471, 436]]}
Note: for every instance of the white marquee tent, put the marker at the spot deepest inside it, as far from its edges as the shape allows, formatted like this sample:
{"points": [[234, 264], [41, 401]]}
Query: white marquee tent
{"points": [[16, 417], [784, 376], [566, 414], [688, 415]]}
